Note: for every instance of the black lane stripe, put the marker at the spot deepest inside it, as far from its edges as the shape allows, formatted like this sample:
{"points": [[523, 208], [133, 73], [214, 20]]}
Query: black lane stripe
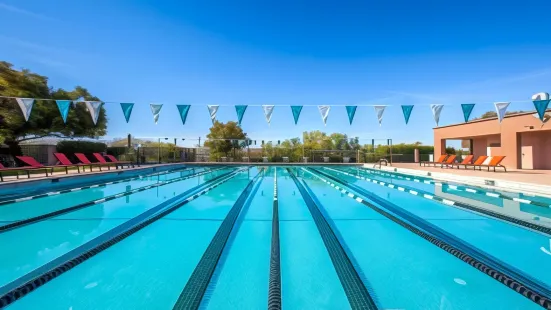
{"points": [[274, 284], [17, 224], [356, 292], [434, 197], [196, 287], [491, 266], [26, 197], [38, 277]]}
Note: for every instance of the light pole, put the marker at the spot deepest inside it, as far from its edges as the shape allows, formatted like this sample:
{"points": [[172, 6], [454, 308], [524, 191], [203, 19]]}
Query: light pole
{"points": [[159, 151]]}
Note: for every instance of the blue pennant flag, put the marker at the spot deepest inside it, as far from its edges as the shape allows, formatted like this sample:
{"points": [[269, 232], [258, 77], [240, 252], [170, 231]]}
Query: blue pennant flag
{"points": [[541, 102], [183, 109], [296, 112], [406, 109], [467, 110], [63, 106], [127, 110], [240, 109], [351, 111]]}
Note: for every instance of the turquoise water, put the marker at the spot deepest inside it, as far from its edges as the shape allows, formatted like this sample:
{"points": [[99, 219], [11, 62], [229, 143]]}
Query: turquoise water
{"points": [[150, 267]]}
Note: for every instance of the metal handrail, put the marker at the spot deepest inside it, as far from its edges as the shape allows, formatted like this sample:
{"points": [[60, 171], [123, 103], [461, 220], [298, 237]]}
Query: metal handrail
{"points": [[380, 163]]}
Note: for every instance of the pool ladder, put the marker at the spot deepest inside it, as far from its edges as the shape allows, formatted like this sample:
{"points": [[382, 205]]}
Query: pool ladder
{"points": [[380, 163]]}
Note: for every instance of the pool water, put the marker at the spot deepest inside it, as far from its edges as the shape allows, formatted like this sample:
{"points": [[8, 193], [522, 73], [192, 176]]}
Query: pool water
{"points": [[246, 237]]}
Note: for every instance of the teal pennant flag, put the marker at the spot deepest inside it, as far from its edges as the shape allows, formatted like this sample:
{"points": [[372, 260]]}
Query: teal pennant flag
{"points": [[296, 109], [240, 109], [183, 109], [63, 106], [351, 111], [467, 110], [406, 109], [127, 110]]}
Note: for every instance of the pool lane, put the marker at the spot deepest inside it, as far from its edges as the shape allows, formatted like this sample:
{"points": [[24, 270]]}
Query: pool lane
{"points": [[34, 245], [404, 270], [518, 247], [148, 269], [30, 208]]}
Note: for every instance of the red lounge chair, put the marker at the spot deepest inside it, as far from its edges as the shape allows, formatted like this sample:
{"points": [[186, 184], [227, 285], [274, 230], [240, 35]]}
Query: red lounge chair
{"points": [[28, 160], [494, 163], [65, 162], [14, 169], [439, 161], [85, 160], [448, 161], [102, 160], [467, 161], [115, 160]]}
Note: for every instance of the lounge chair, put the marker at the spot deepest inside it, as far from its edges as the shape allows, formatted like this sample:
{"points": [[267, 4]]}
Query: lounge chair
{"points": [[494, 162], [439, 161], [65, 162], [14, 169], [449, 160], [479, 161], [35, 165], [112, 159], [82, 158], [467, 161]]}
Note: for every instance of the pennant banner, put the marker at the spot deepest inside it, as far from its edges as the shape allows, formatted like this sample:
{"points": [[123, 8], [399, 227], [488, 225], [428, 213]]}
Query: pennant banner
{"points": [[296, 112], [406, 109], [268, 110], [436, 110], [127, 110], [240, 110], [541, 102], [94, 109], [501, 109], [63, 106], [467, 110], [26, 106], [156, 110], [324, 111], [380, 109], [183, 109], [351, 111], [212, 111]]}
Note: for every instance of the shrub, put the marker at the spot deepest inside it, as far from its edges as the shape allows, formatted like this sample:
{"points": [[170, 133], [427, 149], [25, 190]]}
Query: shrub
{"points": [[70, 147]]}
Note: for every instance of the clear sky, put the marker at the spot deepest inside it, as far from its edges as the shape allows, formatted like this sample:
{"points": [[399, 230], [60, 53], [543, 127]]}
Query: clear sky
{"points": [[285, 53]]}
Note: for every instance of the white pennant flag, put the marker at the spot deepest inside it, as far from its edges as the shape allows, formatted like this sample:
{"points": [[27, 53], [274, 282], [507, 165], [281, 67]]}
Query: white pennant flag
{"points": [[156, 110], [26, 105], [380, 109], [268, 110], [436, 110], [501, 109], [93, 108], [212, 111], [324, 111]]}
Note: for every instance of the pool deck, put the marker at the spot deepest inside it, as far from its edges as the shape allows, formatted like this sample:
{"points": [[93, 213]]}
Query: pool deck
{"points": [[537, 181]]}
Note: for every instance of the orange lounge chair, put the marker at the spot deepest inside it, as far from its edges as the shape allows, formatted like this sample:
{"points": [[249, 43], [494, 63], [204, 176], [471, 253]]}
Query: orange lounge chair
{"points": [[35, 165], [467, 161], [65, 162], [478, 162], [83, 159], [448, 161], [494, 163], [113, 159], [439, 161]]}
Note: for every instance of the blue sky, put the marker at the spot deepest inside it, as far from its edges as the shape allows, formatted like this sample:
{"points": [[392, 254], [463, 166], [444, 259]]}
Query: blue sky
{"points": [[285, 53]]}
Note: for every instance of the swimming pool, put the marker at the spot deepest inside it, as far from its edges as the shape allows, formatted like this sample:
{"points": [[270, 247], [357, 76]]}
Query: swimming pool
{"points": [[292, 237]]}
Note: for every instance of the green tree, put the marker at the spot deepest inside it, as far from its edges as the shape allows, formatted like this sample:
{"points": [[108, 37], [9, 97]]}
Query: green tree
{"points": [[221, 136], [45, 119]]}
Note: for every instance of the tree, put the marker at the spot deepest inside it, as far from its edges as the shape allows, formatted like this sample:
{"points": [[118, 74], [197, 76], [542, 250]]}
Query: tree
{"points": [[45, 119], [221, 138]]}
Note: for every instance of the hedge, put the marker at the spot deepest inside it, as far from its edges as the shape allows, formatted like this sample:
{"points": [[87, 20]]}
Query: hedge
{"points": [[69, 148]]}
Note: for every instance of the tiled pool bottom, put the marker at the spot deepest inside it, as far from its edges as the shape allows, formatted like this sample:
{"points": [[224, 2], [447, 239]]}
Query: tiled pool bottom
{"points": [[271, 237]]}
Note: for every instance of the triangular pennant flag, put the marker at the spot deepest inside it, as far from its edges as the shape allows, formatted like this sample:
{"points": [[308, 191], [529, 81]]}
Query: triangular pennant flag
{"points": [[212, 111], [26, 106], [94, 109], [268, 110], [380, 109], [240, 110], [541, 102], [406, 109], [501, 109], [467, 110], [351, 111], [156, 110], [296, 112], [63, 106], [127, 110], [436, 110], [324, 111], [183, 109]]}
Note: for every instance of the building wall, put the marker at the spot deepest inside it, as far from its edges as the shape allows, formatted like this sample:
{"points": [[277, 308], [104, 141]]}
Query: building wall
{"points": [[541, 147], [484, 132]]}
